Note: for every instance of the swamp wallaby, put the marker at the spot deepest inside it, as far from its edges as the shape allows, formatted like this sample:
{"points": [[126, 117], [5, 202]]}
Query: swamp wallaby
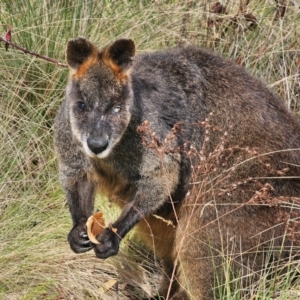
{"points": [[181, 137]]}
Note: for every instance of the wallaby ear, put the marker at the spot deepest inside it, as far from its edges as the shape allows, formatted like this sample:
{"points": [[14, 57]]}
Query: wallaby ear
{"points": [[119, 55], [79, 50]]}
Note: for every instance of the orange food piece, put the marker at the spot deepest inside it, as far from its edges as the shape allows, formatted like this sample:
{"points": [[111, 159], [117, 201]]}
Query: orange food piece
{"points": [[95, 224]]}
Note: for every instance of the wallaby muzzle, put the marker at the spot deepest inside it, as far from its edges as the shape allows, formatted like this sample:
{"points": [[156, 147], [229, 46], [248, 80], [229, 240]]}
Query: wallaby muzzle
{"points": [[97, 144]]}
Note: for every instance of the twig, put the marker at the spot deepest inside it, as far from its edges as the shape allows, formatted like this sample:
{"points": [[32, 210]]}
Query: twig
{"points": [[33, 53]]}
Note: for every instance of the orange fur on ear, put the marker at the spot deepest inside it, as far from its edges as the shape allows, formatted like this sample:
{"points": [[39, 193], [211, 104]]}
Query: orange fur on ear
{"points": [[119, 57], [92, 60], [81, 55]]}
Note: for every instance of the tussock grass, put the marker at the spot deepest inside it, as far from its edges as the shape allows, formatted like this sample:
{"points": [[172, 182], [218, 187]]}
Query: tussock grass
{"points": [[35, 260]]}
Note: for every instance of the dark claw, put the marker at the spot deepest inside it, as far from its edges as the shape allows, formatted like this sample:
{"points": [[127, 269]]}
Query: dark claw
{"points": [[85, 249], [78, 239], [86, 242], [83, 235]]}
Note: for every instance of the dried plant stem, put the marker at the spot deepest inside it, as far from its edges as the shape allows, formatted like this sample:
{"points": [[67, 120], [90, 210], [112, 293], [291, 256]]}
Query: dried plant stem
{"points": [[2, 39]]}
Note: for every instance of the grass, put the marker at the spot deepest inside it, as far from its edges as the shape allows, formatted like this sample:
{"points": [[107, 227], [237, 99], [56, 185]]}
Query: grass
{"points": [[35, 260]]}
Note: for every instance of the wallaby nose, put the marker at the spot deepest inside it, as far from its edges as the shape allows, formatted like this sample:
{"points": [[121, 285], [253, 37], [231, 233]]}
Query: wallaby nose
{"points": [[97, 144]]}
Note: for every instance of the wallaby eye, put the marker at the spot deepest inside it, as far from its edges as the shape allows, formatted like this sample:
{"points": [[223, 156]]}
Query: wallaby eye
{"points": [[81, 105], [117, 108]]}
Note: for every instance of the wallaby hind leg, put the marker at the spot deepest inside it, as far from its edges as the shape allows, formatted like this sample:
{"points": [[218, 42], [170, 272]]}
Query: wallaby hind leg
{"points": [[195, 274], [197, 260]]}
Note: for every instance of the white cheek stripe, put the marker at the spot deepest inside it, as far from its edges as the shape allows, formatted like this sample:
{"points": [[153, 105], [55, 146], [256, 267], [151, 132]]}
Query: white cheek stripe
{"points": [[105, 153], [76, 133], [89, 153], [86, 149]]}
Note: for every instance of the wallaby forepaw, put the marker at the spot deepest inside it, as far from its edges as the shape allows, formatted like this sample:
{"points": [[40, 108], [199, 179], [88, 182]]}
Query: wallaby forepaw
{"points": [[79, 240], [108, 243]]}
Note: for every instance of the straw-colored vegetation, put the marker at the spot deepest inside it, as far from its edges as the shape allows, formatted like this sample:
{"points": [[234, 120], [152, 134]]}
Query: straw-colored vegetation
{"points": [[35, 259]]}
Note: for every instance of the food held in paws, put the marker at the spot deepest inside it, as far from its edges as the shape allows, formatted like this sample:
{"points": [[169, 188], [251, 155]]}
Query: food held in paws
{"points": [[95, 224]]}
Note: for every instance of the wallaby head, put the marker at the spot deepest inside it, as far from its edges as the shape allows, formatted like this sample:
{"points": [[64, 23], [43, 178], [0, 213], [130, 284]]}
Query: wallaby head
{"points": [[99, 93]]}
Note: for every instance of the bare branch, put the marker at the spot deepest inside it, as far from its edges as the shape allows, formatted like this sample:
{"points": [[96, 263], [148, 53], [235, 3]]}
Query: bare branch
{"points": [[33, 53]]}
